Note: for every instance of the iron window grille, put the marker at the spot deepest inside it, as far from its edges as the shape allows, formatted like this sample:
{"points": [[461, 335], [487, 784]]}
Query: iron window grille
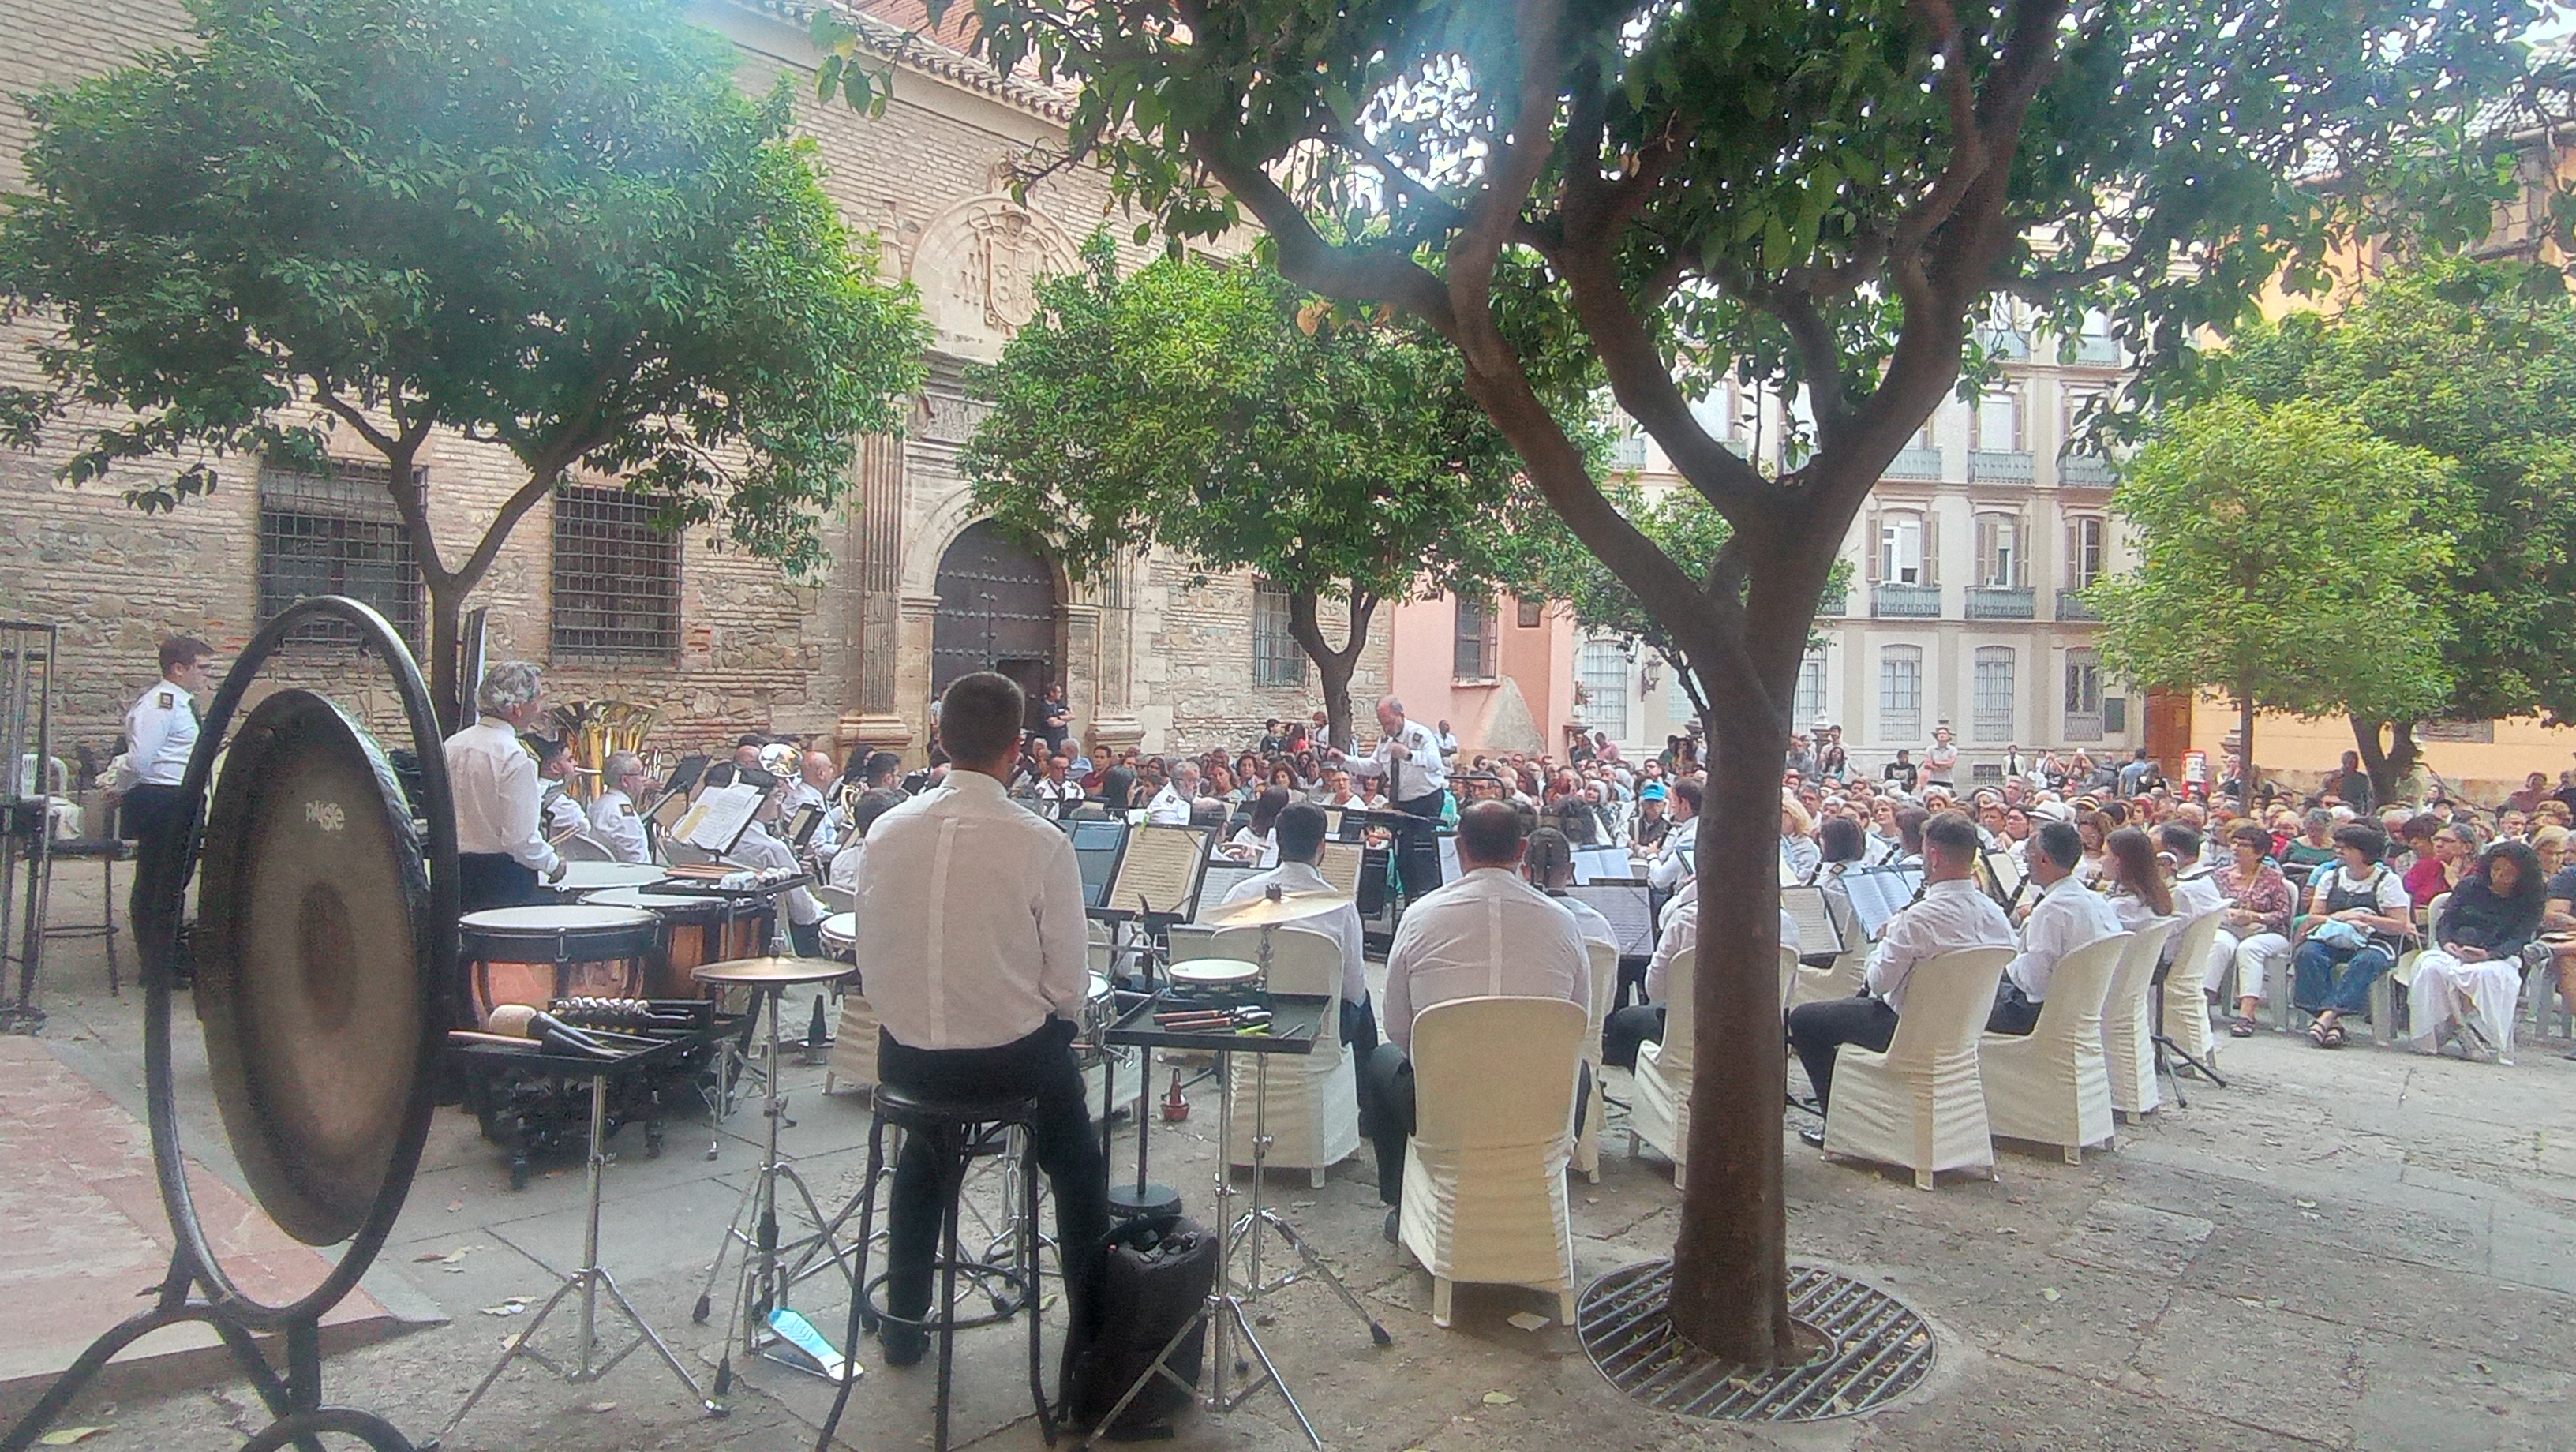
{"points": [[1276, 658], [338, 533], [616, 578]]}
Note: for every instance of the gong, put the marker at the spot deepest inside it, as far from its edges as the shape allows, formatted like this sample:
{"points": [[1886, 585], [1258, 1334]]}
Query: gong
{"points": [[313, 901]]}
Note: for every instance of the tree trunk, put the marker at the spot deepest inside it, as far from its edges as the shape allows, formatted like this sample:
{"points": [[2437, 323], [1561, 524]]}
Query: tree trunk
{"points": [[2389, 765], [2246, 776], [1333, 668], [450, 697]]}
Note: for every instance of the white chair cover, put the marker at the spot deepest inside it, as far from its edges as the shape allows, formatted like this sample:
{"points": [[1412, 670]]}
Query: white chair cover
{"points": [[2049, 1086], [583, 847], [1921, 1104], [1605, 987], [1844, 979], [834, 899], [1311, 1108], [2186, 1010], [854, 1048], [1484, 1174], [2128, 1045], [1659, 1108]]}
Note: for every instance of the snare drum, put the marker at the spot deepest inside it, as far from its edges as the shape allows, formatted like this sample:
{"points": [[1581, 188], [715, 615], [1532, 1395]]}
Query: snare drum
{"points": [[534, 955], [840, 935], [693, 928]]}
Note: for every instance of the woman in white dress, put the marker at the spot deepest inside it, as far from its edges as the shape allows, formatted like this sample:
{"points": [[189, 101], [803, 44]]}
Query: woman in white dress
{"points": [[2467, 983]]}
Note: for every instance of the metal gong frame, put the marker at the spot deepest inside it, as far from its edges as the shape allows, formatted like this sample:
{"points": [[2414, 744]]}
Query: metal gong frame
{"points": [[196, 1288]]}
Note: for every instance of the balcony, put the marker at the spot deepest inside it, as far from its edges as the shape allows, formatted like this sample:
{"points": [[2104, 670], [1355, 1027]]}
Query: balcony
{"points": [[1916, 463], [2096, 349], [2002, 603], [2088, 470], [2004, 343], [2071, 606], [1905, 602], [1999, 466], [1834, 602]]}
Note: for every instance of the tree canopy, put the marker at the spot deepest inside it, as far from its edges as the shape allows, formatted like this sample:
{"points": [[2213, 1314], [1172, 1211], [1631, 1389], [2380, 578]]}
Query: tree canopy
{"points": [[554, 225], [1825, 199], [1221, 412]]}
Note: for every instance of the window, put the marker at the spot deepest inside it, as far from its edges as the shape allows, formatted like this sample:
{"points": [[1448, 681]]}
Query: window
{"points": [[1276, 660], [616, 579], [1994, 695], [1533, 613], [1605, 687], [1900, 550], [1628, 449], [1476, 652], [1808, 706], [2083, 696], [1678, 710], [2084, 545], [1998, 422], [1900, 692], [337, 534], [1999, 556]]}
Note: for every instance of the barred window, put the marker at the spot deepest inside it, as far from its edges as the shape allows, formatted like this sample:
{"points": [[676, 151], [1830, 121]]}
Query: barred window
{"points": [[616, 578], [1477, 650], [1900, 693], [1808, 706], [1994, 694], [338, 534], [1604, 669], [1276, 660]]}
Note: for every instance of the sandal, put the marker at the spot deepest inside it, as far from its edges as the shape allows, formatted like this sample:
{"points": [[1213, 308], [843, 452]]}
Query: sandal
{"points": [[2334, 1037], [2242, 1028]]}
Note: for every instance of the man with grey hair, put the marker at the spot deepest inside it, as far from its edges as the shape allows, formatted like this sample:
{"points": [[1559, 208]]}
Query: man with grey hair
{"points": [[500, 850], [613, 818]]}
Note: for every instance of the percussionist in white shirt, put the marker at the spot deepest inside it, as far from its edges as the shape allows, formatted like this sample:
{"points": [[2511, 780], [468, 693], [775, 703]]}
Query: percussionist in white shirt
{"points": [[1951, 914], [976, 960], [2067, 916], [500, 853], [160, 736], [613, 818], [1300, 834], [1489, 933]]}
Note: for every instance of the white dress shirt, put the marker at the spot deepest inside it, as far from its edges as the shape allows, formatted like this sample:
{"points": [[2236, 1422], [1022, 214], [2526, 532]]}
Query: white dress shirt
{"points": [[563, 814], [976, 934], [1168, 808], [160, 735], [1486, 934], [845, 864], [497, 794], [613, 820], [1681, 934], [757, 847], [2067, 916], [1419, 775], [1342, 924], [1670, 866], [2195, 895], [827, 832], [1952, 915]]}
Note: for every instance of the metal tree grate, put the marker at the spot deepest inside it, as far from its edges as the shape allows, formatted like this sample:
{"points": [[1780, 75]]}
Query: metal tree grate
{"points": [[1876, 1349]]}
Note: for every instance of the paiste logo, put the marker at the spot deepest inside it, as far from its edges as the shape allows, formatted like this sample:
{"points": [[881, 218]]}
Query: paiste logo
{"points": [[329, 816]]}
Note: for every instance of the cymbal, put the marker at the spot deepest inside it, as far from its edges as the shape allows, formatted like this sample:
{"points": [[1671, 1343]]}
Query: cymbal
{"points": [[1294, 907], [771, 972]]}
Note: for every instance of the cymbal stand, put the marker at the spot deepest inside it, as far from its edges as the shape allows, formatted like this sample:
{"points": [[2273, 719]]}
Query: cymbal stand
{"points": [[765, 1273], [590, 1279]]}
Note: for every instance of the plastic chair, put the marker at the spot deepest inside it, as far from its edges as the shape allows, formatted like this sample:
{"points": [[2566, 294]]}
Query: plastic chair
{"points": [[1921, 1104], [1604, 960], [1484, 1174], [2049, 1086], [1309, 1103], [1659, 1112], [2128, 1039]]}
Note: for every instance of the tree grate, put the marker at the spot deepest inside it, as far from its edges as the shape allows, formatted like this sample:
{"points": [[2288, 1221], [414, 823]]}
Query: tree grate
{"points": [[1876, 1348]]}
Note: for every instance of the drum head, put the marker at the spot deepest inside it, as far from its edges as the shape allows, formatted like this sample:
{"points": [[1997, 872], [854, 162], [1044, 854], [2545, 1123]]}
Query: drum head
{"points": [[595, 876], [311, 925], [1214, 973], [572, 917]]}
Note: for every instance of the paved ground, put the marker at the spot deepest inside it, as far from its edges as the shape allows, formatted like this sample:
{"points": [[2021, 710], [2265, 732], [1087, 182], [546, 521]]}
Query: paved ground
{"points": [[2362, 1249]]}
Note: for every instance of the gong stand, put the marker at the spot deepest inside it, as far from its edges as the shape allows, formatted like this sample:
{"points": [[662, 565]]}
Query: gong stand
{"points": [[311, 814]]}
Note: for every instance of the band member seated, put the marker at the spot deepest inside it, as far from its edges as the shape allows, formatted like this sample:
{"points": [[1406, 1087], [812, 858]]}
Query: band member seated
{"points": [[613, 818], [160, 736], [1548, 863], [845, 863], [812, 787], [761, 847], [1300, 832], [563, 815], [2067, 916], [975, 960], [500, 851], [1489, 933], [1951, 914], [1638, 1023]]}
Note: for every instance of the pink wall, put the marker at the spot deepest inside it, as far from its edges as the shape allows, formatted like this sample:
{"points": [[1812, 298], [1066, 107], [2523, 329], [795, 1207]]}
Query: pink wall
{"points": [[1529, 704]]}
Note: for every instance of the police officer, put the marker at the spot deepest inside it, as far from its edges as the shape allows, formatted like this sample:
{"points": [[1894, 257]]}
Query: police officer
{"points": [[613, 818], [160, 735]]}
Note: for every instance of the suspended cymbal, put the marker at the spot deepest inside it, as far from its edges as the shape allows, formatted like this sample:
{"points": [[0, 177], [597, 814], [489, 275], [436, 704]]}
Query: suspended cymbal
{"points": [[1293, 907], [771, 972]]}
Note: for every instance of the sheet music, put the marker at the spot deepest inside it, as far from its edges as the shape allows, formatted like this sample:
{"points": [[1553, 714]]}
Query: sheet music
{"points": [[1878, 893], [1602, 864], [2001, 876], [1220, 879], [1817, 931], [715, 821], [1450, 871], [1341, 864], [1629, 907], [1161, 867]]}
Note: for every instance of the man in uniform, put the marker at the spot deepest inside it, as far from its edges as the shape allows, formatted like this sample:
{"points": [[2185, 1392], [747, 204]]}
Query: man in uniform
{"points": [[613, 818], [554, 767], [500, 851], [1408, 761], [976, 960], [812, 787], [160, 736]]}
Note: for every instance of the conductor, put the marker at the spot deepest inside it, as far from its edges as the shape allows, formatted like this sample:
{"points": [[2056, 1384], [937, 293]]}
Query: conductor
{"points": [[976, 963]]}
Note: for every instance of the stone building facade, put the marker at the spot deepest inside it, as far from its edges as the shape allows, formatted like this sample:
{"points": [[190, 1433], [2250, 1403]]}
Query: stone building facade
{"points": [[918, 589]]}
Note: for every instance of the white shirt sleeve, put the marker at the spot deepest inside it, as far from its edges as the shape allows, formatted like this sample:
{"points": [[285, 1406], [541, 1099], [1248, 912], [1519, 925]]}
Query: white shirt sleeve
{"points": [[521, 817], [1064, 934]]}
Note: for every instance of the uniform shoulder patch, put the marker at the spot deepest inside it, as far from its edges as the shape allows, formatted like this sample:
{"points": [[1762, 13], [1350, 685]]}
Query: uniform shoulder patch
{"points": [[626, 809], [166, 701]]}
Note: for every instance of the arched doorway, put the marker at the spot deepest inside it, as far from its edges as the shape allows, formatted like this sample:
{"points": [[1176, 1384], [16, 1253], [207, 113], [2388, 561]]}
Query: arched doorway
{"points": [[997, 612]]}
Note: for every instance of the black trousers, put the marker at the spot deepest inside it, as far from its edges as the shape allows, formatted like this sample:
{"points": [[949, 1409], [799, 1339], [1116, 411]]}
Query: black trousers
{"points": [[150, 817], [1819, 1030], [1417, 849], [1359, 1032], [1040, 1065], [2014, 1012], [807, 938], [1386, 1082], [493, 880], [1627, 1028]]}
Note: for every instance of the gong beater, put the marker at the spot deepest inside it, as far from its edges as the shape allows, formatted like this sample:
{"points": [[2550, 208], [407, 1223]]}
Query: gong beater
{"points": [[322, 984]]}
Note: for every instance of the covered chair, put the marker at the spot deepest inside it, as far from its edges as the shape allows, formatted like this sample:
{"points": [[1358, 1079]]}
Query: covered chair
{"points": [[1484, 1174], [1659, 1113], [1310, 1109], [2049, 1086], [2128, 1045], [2183, 1012], [1920, 1104], [1845, 978], [1604, 961]]}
